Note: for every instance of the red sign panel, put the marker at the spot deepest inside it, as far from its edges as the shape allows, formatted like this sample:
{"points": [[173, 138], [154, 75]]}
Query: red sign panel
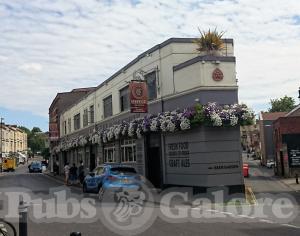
{"points": [[138, 97], [53, 132]]}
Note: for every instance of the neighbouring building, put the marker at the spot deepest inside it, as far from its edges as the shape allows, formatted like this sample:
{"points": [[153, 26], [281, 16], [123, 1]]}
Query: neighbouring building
{"points": [[177, 77], [250, 138], [287, 143], [267, 145], [13, 139], [60, 102]]}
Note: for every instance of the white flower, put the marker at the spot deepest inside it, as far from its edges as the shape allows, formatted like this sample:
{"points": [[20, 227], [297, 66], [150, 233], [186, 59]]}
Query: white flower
{"points": [[131, 129], [233, 120], [104, 137], [164, 125], [171, 126], [124, 130], [185, 124], [139, 133], [117, 131], [216, 119], [153, 125]]}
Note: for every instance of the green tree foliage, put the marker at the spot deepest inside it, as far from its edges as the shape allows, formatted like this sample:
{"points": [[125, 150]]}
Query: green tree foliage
{"points": [[284, 104], [35, 139]]}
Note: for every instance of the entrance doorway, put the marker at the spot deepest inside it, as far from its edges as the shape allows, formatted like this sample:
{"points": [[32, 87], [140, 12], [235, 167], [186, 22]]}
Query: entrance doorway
{"points": [[92, 158], [281, 163], [153, 160]]}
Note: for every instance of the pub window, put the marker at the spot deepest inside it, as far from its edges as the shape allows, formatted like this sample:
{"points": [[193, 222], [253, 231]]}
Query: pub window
{"points": [[124, 98], [92, 118], [128, 150], [69, 125], [109, 153], [85, 117], [65, 127], [77, 121], [107, 106], [151, 85]]}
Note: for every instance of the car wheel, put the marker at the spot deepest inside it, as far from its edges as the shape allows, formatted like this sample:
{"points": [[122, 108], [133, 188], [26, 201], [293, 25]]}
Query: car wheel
{"points": [[101, 194]]}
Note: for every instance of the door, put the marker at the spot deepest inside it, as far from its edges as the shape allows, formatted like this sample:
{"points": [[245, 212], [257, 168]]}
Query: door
{"points": [[153, 161], [281, 163], [92, 158]]}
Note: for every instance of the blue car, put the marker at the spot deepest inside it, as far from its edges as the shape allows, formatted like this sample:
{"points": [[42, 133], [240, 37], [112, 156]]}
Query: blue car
{"points": [[106, 177], [35, 167]]}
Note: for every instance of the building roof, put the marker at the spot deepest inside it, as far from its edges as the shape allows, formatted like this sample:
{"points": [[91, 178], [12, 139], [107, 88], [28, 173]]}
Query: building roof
{"points": [[293, 111], [76, 90], [272, 115]]}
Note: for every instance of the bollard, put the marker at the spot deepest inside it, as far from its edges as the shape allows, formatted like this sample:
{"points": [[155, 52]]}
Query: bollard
{"points": [[23, 212], [297, 181]]}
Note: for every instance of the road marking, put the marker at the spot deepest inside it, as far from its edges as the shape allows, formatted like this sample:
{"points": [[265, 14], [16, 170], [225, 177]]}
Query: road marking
{"points": [[245, 216], [266, 221], [292, 226], [226, 213], [212, 210]]}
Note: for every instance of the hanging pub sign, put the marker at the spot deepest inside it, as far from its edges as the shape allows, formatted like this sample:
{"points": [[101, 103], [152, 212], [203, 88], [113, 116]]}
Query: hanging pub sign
{"points": [[138, 97]]}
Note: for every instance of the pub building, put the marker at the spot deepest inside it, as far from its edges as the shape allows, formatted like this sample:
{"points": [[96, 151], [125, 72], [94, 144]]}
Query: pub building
{"points": [[108, 124]]}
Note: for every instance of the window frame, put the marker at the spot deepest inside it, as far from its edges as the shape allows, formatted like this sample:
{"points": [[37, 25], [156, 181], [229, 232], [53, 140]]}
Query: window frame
{"points": [[122, 107], [92, 114], [76, 119], [148, 75], [125, 145], [105, 113], [85, 117], [106, 149]]}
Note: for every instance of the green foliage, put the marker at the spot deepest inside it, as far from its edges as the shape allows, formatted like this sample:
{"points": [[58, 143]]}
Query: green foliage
{"points": [[284, 104], [210, 40], [199, 115], [35, 139]]}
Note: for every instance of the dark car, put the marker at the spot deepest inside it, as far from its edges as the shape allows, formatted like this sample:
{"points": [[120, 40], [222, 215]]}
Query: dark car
{"points": [[111, 176], [35, 167]]}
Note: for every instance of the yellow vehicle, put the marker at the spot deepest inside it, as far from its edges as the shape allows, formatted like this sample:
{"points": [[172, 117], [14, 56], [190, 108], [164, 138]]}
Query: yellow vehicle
{"points": [[9, 164]]}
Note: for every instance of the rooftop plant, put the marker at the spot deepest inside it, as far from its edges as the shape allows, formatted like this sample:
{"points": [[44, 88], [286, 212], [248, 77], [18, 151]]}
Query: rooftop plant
{"points": [[210, 41]]}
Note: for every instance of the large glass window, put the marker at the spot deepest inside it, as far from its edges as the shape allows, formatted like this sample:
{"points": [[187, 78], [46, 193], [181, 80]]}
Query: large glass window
{"points": [[92, 118], [124, 98], [151, 85], [77, 121], [85, 117], [107, 106], [128, 150], [109, 153]]}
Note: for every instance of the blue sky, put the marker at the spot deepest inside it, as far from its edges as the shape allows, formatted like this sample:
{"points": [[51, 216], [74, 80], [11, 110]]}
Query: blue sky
{"points": [[51, 46]]}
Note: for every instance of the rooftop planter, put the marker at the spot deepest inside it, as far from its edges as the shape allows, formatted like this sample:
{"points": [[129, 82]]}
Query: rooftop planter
{"points": [[210, 42]]}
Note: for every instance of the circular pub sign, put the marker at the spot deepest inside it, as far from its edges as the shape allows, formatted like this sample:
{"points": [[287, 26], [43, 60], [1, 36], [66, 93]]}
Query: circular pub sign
{"points": [[217, 75]]}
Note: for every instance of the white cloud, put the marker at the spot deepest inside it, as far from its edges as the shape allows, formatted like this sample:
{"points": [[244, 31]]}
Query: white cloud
{"points": [[31, 68], [83, 42]]}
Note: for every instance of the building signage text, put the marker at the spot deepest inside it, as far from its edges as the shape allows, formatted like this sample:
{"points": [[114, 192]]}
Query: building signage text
{"points": [[178, 155]]}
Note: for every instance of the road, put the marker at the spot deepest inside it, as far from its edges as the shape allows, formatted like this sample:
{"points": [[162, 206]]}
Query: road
{"points": [[39, 186]]}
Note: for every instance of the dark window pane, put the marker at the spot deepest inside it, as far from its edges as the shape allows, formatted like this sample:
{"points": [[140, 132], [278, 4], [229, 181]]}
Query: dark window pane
{"points": [[124, 98], [92, 118], [151, 84], [77, 121], [107, 105]]}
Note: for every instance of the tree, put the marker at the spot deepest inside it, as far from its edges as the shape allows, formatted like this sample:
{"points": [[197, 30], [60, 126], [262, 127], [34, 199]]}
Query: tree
{"points": [[284, 104], [36, 130]]}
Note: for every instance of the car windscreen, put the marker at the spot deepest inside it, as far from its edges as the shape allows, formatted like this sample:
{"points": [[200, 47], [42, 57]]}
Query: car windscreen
{"points": [[122, 170], [36, 164]]}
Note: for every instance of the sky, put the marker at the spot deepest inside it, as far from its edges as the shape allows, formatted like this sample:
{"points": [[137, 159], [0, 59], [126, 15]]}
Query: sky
{"points": [[51, 46]]}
